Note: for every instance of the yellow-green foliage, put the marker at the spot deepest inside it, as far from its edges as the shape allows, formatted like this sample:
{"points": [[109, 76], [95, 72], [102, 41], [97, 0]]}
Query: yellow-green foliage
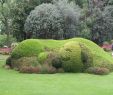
{"points": [[96, 56], [42, 57], [27, 48], [100, 57], [71, 57]]}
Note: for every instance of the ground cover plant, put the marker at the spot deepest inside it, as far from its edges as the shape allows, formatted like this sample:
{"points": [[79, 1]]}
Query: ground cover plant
{"points": [[48, 56]]}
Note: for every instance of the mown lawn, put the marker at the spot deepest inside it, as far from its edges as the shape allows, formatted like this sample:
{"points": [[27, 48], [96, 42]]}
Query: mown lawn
{"points": [[14, 83]]}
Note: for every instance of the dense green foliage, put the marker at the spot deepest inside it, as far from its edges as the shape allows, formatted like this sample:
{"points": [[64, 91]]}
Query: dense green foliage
{"points": [[42, 57], [73, 55], [54, 21], [45, 20], [93, 20], [3, 40], [27, 48]]}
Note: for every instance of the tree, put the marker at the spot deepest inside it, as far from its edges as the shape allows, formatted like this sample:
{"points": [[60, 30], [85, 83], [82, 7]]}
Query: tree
{"points": [[20, 10], [5, 16], [102, 28], [61, 21], [45, 22]]}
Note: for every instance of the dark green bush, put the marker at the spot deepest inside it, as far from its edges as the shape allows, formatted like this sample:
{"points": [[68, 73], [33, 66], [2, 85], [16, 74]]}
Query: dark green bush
{"points": [[98, 71], [57, 62], [70, 55], [8, 61]]}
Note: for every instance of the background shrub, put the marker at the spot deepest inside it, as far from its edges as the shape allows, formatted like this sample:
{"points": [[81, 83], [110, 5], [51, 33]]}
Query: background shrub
{"points": [[3, 40]]}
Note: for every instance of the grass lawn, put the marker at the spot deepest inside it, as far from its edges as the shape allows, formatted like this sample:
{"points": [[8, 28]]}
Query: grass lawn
{"points": [[14, 83]]}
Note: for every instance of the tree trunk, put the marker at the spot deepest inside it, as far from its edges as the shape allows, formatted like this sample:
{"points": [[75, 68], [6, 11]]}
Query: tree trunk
{"points": [[7, 33]]}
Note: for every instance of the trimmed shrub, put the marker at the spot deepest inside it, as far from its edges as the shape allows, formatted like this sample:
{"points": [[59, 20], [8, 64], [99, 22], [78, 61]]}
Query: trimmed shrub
{"points": [[50, 58], [25, 62], [30, 69], [27, 48], [98, 71], [99, 55], [42, 57], [104, 64], [71, 57], [86, 56]]}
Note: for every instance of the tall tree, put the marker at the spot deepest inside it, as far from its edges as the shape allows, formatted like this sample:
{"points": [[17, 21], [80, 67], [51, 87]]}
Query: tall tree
{"points": [[5, 16], [20, 10]]}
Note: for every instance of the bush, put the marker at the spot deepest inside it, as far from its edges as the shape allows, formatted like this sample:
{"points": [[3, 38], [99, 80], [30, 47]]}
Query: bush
{"points": [[98, 71], [71, 57], [3, 40], [42, 57], [50, 57], [60, 70], [25, 62], [47, 69], [8, 61], [86, 56], [104, 64], [30, 69], [27, 48], [57, 62]]}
